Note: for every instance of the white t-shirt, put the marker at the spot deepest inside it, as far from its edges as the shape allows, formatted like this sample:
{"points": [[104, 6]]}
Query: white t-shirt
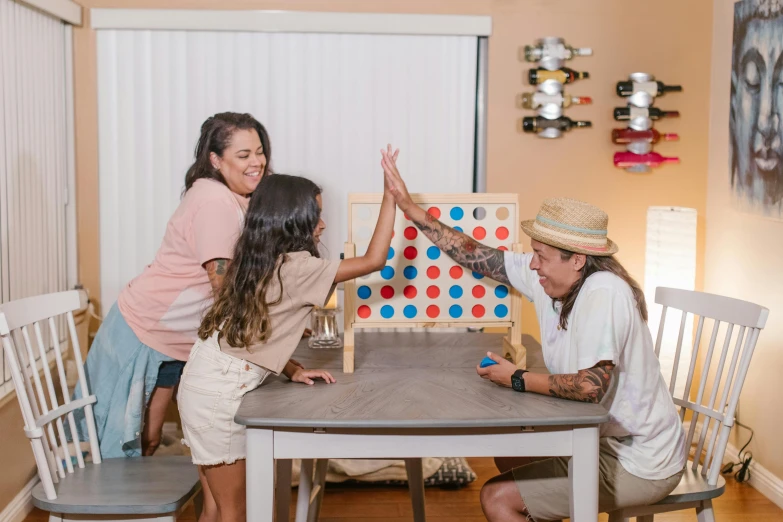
{"points": [[644, 430]]}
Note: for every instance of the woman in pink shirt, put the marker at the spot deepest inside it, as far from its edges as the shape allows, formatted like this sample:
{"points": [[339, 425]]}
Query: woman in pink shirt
{"points": [[140, 349]]}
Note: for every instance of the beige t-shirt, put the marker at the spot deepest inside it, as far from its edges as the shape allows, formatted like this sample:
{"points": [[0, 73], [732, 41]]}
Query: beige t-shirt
{"points": [[307, 282]]}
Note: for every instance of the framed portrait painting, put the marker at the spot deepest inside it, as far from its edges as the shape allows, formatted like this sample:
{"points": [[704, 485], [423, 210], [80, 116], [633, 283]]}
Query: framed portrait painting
{"points": [[756, 108]]}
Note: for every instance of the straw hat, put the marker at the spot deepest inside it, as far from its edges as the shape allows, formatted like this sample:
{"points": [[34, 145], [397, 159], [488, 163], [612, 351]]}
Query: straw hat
{"points": [[571, 225]]}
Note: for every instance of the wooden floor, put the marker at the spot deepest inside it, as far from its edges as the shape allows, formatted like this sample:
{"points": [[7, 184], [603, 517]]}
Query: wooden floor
{"points": [[740, 503]]}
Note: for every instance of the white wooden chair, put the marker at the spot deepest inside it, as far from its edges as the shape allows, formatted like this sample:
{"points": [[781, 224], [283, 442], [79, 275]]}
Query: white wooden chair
{"points": [[723, 373], [155, 488]]}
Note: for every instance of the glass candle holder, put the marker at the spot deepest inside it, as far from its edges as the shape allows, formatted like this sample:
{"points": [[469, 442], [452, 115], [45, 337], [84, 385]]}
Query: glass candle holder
{"points": [[324, 326]]}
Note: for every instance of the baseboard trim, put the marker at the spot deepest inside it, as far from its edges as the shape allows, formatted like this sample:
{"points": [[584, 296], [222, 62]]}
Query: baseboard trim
{"points": [[21, 505], [760, 478]]}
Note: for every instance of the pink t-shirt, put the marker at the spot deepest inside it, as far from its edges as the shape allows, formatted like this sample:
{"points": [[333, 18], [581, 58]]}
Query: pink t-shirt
{"points": [[164, 305]]}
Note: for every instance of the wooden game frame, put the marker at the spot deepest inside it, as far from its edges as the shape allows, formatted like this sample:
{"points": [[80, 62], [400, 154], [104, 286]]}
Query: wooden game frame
{"points": [[512, 342]]}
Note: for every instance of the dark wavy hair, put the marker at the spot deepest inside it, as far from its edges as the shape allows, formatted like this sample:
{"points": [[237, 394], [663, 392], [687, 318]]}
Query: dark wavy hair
{"points": [[595, 264], [281, 218], [216, 133]]}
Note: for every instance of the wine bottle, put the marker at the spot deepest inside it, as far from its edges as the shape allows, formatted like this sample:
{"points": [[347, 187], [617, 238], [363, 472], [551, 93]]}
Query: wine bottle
{"points": [[563, 75], [625, 160], [563, 123], [533, 100], [654, 113], [647, 136], [559, 51], [654, 88]]}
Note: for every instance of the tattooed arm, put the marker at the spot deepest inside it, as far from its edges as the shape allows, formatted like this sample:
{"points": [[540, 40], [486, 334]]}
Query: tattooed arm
{"points": [[461, 248], [216, 271], [588, 385]]}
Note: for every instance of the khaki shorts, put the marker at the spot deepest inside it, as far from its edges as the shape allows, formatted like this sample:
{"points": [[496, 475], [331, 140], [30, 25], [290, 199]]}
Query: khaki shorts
{"points": [[212, 386], [546, 489]]}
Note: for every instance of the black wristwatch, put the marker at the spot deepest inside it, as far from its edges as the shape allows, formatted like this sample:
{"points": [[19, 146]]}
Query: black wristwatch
{"points": [[517, 382]]}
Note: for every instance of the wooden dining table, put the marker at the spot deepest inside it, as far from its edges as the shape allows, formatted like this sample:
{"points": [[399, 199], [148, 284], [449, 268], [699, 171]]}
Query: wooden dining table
{"points": [[413, 395]]}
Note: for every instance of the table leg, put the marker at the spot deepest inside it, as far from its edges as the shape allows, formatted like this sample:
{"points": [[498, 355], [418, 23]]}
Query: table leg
{"points": [[413, 467], [260, 475], [303, 492], [583, 472], [282, 489]]}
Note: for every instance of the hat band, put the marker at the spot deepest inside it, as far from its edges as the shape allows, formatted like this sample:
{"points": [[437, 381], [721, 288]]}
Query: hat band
{"points": [[558, 224], [589, 243]]}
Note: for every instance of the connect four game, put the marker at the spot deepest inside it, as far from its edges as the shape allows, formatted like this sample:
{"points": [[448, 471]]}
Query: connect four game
{"points": [[420, 286]]}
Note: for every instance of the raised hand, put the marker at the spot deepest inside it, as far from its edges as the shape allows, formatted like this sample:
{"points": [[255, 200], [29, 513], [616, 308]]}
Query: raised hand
{"points": [[393, 182], [388, 152]]}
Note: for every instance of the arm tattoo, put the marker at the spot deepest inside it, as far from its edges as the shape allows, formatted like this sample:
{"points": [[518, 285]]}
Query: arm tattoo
{"points": [[588, 385], [464, 250], [216, 270]]}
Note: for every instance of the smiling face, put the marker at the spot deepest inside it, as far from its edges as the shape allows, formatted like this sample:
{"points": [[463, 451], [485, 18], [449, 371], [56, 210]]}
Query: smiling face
{"points": [[243, 162], [556, 275], [319, 229], [757, 102]]}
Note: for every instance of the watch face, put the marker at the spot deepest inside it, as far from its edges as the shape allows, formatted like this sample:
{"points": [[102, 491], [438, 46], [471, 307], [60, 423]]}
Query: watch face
{"points": [[516, 383]]}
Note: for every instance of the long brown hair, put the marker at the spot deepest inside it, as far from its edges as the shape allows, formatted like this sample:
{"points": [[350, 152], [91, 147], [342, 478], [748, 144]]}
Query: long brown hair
{"points": [[595, 264], [281, 218], [216, 133]]}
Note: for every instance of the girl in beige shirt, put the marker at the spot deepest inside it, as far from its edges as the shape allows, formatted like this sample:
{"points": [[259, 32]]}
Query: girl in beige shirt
{"points": [[275, 279]]}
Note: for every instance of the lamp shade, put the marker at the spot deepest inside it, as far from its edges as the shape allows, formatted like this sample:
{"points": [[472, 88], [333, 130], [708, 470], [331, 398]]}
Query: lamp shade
{"points": [[670, 261]]}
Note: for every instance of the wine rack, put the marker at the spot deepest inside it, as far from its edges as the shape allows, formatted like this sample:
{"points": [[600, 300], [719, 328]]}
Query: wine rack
{"points": [[641, 90], [548, 79]]}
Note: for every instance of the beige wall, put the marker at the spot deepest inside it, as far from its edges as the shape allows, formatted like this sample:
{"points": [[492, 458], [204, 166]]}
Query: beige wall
{"points": [[16, 455], [743, 255]]}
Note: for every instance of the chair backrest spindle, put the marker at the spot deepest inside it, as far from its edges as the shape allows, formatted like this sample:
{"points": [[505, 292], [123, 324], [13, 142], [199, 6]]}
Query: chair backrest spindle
{"points": [[714, 417]]}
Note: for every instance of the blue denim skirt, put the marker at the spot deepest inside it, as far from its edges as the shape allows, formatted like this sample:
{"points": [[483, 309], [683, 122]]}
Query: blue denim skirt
{"points": [[122, 372]]}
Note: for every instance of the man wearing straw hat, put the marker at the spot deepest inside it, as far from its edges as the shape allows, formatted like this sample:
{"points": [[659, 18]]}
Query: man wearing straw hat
{"points": [[592, 316]]}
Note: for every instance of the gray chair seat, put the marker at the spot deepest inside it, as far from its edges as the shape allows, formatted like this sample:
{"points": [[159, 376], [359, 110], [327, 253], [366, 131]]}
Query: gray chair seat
{"points": [[693, 487], [124, 486]]}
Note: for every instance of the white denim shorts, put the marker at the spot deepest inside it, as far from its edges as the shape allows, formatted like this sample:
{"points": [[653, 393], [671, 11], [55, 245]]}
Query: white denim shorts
{"points": [[212, 386]]}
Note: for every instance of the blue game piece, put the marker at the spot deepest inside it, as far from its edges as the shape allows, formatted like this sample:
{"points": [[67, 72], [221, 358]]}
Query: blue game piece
{"points": [[501, 311], [410, 272], [486, 361]]}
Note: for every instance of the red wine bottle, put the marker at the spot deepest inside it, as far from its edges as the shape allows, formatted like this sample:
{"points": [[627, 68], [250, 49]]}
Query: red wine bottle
{"points": [[563, 123], [651, 159], [627, 88], [648, 136], [563, 75], [654, 113]]}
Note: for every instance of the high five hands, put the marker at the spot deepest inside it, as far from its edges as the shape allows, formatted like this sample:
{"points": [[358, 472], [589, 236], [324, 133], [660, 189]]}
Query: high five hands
{"points": [[393, 182]]}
